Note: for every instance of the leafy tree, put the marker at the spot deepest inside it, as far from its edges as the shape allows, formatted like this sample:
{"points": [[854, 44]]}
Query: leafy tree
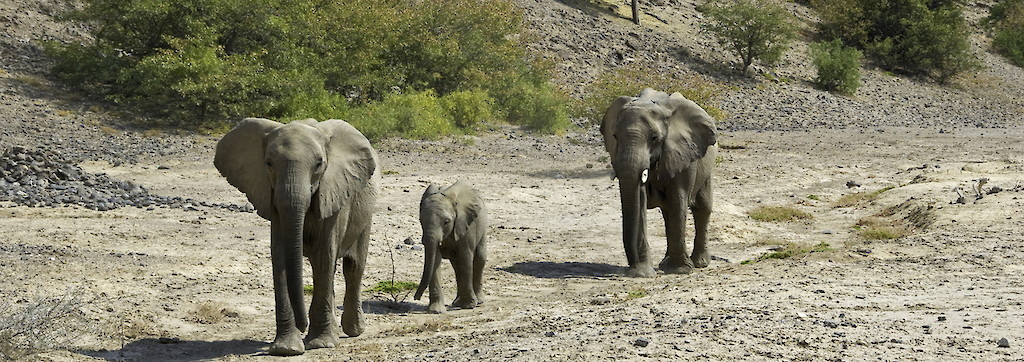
{"points": [[918, 37], [751, 29], [210, 60], [838, 66], [1006, 23]]}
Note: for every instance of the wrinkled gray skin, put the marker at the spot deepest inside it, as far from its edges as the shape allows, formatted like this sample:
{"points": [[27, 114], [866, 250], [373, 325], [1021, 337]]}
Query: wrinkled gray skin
{"points": [[662, 149], [454, 227], [317, 183]]}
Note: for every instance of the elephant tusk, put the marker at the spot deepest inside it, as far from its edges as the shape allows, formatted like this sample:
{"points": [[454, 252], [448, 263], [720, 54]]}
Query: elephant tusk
{"points": [[643, 176]]}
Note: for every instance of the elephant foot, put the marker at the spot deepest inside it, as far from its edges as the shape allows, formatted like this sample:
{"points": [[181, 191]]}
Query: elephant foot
{"points": [[352, 323], [324, 340], [643, 271], [466, 303], [436, 308], [287, 345], [676, 265], [701, 260]]}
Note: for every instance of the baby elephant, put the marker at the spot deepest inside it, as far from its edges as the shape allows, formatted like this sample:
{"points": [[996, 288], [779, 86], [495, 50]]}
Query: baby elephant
{"points": [[454, 227]]}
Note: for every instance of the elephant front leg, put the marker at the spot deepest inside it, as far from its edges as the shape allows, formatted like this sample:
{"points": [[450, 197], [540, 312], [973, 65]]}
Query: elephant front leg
{"points": [[352, 316], [465, 297], [436, 295], [676, 260], [323, 330], [288, 339]]}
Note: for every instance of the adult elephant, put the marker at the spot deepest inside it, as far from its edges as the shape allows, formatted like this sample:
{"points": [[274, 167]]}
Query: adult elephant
{"points": [[662, 149], [317, 183]]}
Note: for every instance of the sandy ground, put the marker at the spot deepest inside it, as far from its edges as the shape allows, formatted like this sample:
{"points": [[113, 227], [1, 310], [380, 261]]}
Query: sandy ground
{"points": [[170, 284]]}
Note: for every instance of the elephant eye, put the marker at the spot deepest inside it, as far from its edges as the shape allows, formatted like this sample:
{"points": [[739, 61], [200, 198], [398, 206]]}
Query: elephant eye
{"points": [[269, 165], [319, 163]]}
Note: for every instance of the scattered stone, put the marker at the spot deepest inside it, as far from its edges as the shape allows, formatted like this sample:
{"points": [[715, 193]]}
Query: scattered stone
{"points": [[409, 241], [602, 300], [40, 178], [549, 334], [641, 342], [1004, 343], [851, 184], [417, 247], [942, 318]]}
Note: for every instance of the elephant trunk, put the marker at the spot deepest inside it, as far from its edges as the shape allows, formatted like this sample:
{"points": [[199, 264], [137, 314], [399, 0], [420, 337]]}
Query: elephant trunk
{"points": [[289, 250], [633, 195], [431, 259]]}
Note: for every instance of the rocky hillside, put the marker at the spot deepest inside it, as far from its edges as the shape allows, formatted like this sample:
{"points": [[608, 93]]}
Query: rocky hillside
{"points": [[586, 37]]}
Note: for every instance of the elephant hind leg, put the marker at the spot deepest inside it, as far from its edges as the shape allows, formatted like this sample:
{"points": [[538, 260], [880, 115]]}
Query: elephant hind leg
{"points": [[479, 261], [701, 218]]}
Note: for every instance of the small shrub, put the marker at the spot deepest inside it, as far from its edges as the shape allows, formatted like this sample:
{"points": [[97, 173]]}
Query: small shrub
{"points": [[397, 290], [838, 66], [814, 197], [42, 325], [629, 80], [778, 213], [751, 29]]}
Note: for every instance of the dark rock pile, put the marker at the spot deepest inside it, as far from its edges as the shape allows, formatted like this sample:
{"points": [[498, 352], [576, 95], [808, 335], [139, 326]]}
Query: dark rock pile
{"points": [[43, 179]]}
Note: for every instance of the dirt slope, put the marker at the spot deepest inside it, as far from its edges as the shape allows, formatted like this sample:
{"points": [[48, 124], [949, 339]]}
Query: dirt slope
{"points": [[174, 284]]}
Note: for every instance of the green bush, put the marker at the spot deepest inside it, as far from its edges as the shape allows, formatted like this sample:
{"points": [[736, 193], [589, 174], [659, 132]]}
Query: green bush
{"points": [[468, 109], [1006, 20], [751, 29], [918, 37], [838, 66], [631, 79], [210, 60], [413, 115]]}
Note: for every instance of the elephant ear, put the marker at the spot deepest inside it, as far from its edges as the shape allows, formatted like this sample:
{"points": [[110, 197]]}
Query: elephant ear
{"points": [[431, 190], [468, 207], [351, 162], [611, 117], [689, 133], [240, 159]]}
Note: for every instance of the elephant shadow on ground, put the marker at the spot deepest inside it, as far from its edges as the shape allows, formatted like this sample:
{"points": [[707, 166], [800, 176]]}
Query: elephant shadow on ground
{"points": [[385, 304], [174, 349], [561, 270]]}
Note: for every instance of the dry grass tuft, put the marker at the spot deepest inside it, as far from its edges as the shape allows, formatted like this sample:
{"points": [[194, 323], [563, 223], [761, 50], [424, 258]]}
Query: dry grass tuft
{"points": [[875, 228], [778, 213], [860, 197], [212, 313]]}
